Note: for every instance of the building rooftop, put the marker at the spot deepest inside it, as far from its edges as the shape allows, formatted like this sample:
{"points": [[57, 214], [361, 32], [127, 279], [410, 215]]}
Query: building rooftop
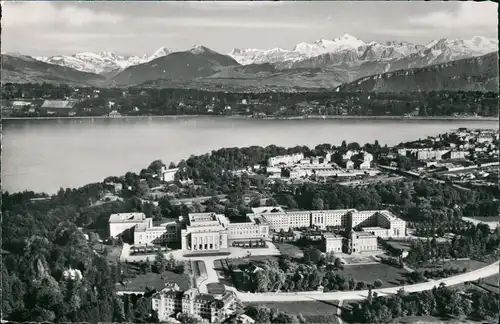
{"points": [[59, 104], [366, 234], [329, 235], [126, 217], [373, 228], [266, 210]]}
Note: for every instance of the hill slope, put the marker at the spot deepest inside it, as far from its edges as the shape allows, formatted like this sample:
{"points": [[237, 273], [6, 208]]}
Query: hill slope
{"points": [[180, 66], [472, 74], [266, 75], [24, 69]]}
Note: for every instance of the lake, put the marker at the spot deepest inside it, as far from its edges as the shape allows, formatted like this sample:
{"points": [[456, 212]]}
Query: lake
{"points": [[44, 155]]}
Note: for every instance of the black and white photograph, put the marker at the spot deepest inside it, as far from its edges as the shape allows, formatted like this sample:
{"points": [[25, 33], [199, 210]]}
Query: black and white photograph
{"points": [[248, 162]]}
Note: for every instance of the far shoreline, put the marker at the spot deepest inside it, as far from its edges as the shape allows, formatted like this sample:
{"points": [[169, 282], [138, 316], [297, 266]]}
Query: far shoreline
{"points": [[310, 117]]}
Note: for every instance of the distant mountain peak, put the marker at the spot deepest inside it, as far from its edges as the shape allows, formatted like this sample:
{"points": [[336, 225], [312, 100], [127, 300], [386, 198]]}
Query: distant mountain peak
{"points": [[198, 49], [162, 51]]}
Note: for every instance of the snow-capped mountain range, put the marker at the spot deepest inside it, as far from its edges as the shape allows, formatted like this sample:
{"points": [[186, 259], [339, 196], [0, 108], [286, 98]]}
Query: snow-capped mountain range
{"points": [[349, 48], [342, 51], [101, 63]]}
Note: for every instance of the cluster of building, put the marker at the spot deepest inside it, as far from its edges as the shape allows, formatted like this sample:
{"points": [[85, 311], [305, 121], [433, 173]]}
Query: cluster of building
{"points": [[213, 232], [214, 308], [296, 166], [456, 145]]}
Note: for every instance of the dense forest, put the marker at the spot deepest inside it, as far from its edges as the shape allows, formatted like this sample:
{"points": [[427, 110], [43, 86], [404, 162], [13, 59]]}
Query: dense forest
{"points": [[40, 241], [147, 101]]}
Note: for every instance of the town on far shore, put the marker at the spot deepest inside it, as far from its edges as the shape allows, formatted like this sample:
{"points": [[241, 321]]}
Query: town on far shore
{"points": [[240, 235], [56, 101]]}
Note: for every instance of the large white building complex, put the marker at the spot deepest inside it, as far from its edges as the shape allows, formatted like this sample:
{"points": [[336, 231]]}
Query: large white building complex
{"points": [[213, 232], [378, 222], [210, 231]]}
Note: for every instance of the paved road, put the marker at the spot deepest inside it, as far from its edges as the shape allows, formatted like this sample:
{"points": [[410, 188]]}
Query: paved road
{"points": [[487, 271]]}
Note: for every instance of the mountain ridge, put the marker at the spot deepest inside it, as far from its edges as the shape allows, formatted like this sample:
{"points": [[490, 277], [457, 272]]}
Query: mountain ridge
{"points": [[323, 53], [25, 69], [469, 74]]}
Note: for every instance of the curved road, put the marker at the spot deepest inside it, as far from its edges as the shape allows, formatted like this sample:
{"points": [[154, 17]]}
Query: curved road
{"points": [[487, 271]]}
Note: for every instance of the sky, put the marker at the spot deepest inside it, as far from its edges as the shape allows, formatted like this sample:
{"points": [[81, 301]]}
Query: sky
{"points": [[134, 28]]}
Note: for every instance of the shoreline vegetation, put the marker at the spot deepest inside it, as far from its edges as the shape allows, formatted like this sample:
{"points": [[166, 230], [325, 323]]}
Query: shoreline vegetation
{"points": [[314, 117]]}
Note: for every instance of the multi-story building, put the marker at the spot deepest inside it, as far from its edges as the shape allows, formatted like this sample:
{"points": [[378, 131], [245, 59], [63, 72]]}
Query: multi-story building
{"points": [[285, 159], [162, 234], [210, 231], [378, 222], [169, 302], [119, 223], [362, 242], [332, 242]]}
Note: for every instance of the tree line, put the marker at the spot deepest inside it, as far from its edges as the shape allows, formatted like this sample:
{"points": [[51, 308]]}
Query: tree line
{"points": [[441, 301], [165, 101]]}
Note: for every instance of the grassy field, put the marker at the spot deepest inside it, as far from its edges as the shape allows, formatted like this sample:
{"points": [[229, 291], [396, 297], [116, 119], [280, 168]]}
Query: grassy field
{"points": [[400, 244], [469, 264], [313, 311], [290, 249], [368, 273], [156, 281]]}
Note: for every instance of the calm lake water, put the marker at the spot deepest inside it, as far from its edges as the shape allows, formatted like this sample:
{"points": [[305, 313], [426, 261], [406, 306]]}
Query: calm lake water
{"points": [[44, 155]]}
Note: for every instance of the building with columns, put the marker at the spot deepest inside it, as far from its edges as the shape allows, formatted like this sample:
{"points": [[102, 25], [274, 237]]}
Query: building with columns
{"points": [[212, 232]]}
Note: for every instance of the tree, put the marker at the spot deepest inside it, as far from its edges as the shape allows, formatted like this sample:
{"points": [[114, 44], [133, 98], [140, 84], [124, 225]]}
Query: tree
{"points": [[330, 257], [119, 311], [317, 203], [147, 266], [312, 255], [160, 261], [338, 264], [378, 283], [285, 318]]}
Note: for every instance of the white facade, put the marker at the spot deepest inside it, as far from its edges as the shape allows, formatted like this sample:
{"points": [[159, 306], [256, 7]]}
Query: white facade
{"points": [[365, 165], [332, 242], [119, 223], [362, 242], [165, 233], [285, 159], [168, 175], [210, 231], [279, 219]]}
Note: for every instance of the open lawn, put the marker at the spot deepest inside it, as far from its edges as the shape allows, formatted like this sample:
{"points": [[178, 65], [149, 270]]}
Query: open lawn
{"points": [[290, 249], [313, 311], [469, 264], [368, 273], [155, 281]]}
